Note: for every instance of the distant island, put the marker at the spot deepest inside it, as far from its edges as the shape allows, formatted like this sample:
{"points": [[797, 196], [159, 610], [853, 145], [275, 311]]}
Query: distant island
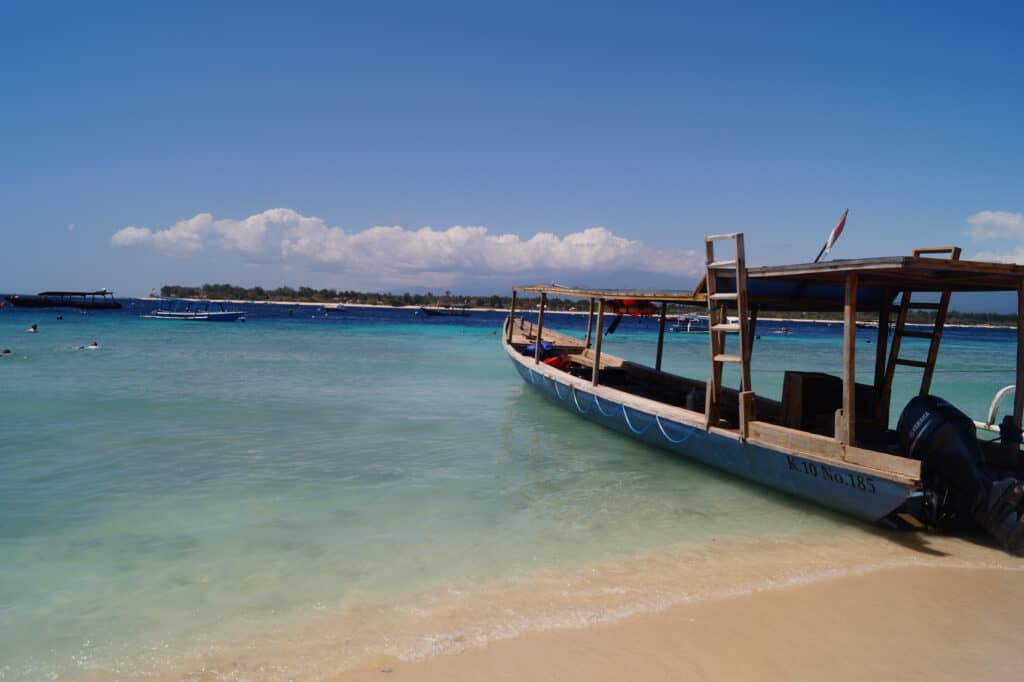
{"points": [[496, 302]]}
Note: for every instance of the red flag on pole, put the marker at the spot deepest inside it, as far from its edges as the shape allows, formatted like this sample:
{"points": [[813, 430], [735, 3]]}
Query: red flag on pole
{"points": [[833, 237]]}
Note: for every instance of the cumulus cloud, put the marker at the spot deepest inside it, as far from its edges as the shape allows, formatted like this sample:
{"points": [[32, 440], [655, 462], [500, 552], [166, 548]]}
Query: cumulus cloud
{"points": [[996, 225], [188, 237], [470, 250]]}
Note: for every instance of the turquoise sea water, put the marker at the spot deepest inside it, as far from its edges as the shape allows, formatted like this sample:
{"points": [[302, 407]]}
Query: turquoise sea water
{"points": [[195, 490]]}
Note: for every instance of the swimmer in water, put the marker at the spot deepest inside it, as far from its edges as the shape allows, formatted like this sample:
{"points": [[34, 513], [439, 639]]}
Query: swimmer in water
{"points": [[33, 329]]}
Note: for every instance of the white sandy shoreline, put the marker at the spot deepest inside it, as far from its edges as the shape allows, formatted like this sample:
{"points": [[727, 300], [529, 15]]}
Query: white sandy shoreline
{"points": [[919, 623], [730, 610]]}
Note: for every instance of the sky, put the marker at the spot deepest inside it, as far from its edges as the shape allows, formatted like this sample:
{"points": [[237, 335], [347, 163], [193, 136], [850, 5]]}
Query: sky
{"points": [[412, 146]]}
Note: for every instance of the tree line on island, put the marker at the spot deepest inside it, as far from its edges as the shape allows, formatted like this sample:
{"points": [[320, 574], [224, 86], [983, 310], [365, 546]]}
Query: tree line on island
{"points": [[333, 296]]}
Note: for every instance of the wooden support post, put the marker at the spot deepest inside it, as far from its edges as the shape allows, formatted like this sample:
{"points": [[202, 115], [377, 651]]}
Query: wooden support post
{"points": [[882, 342], [1018, 395], [747, 399], [590, 322], [881, 348], [741, 311], [511, 317], [933, 347], [661, 336], [747, 412], [597, 351], [848, 434], [540, 329], [751, 330]]}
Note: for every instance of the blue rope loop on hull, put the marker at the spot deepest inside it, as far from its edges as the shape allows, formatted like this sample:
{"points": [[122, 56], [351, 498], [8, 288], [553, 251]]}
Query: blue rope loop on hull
{"points": [[632, 428], [557, 392], [600, 409], [576, 400], [670, 439]]}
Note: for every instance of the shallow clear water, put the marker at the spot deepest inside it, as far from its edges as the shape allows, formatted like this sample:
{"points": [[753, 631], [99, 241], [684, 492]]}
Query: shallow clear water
{"points": [[187, 486]]}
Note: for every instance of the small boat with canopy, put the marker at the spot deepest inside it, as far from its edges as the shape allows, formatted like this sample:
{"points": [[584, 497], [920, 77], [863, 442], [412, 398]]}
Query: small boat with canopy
{"points": [[196, 311], [829, 439]]}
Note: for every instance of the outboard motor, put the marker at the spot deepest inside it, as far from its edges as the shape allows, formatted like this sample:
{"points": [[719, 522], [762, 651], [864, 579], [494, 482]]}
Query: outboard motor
{"points": [[944, 439]]}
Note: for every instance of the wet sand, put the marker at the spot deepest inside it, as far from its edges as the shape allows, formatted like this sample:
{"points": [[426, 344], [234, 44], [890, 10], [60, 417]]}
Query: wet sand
{"points": [[854, 603], [911, 623]]}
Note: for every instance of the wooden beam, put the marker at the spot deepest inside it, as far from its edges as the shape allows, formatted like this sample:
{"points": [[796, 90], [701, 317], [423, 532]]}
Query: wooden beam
{"points": [[933, 347], [894, 350], [511, 316], [741, 311], [881, 348], [540, 329], [849, 359], [751, 335], [597, 351], [661, 336], [590, 322], [1018, 395]]}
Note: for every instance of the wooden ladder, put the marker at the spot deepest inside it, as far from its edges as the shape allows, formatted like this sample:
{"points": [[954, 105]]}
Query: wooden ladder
{"points": [[719, 326], [934, 335]]}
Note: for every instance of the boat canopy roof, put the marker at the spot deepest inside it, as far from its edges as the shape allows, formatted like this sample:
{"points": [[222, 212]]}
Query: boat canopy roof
{"points": [[821, 286], [574, 292], [100, 292]]}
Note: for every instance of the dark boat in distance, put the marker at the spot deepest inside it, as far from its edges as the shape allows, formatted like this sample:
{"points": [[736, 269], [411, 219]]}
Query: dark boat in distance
{"points": [[90, 300]]}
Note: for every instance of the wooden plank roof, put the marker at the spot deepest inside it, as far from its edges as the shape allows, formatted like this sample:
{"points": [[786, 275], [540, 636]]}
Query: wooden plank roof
{"points": [[575, 292], [100, 292], [820, 286]]}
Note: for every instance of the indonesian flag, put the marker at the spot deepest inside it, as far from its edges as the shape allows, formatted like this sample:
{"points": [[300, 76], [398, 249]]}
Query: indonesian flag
{"points": [[833, 236]]}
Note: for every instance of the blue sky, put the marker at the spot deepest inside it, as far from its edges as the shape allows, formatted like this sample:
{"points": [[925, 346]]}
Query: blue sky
{"points": [[525, 126]]}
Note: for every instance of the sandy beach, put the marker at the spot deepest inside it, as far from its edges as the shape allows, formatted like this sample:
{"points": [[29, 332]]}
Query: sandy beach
{"points": [[902, 606], [918, 623]]}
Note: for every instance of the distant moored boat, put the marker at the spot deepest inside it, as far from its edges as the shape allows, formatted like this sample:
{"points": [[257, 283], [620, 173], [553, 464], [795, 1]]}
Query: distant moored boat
{"points": [[196, 312], [94, 300], [453, 310]]}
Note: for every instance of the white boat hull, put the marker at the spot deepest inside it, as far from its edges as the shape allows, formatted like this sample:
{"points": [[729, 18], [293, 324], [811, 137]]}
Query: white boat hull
{"points": [[220, 316]]}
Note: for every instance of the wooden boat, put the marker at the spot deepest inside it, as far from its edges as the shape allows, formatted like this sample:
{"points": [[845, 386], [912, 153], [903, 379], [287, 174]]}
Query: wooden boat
{"points": [[192, 311], [828, 439], [688, 324], [101, 299]]}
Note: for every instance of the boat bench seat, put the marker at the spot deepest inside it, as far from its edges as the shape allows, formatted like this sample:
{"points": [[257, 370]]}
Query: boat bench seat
{"points": [[588, 361]]}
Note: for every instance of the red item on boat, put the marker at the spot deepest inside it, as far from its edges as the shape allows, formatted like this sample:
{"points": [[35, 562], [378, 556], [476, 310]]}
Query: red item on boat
{"points": [[557, 361]]}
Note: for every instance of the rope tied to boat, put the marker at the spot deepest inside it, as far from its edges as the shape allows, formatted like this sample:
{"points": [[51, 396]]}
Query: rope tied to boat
{"points": [[601, 409], [576, 400], [670, 439], [557, 392], [632, 428]]}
